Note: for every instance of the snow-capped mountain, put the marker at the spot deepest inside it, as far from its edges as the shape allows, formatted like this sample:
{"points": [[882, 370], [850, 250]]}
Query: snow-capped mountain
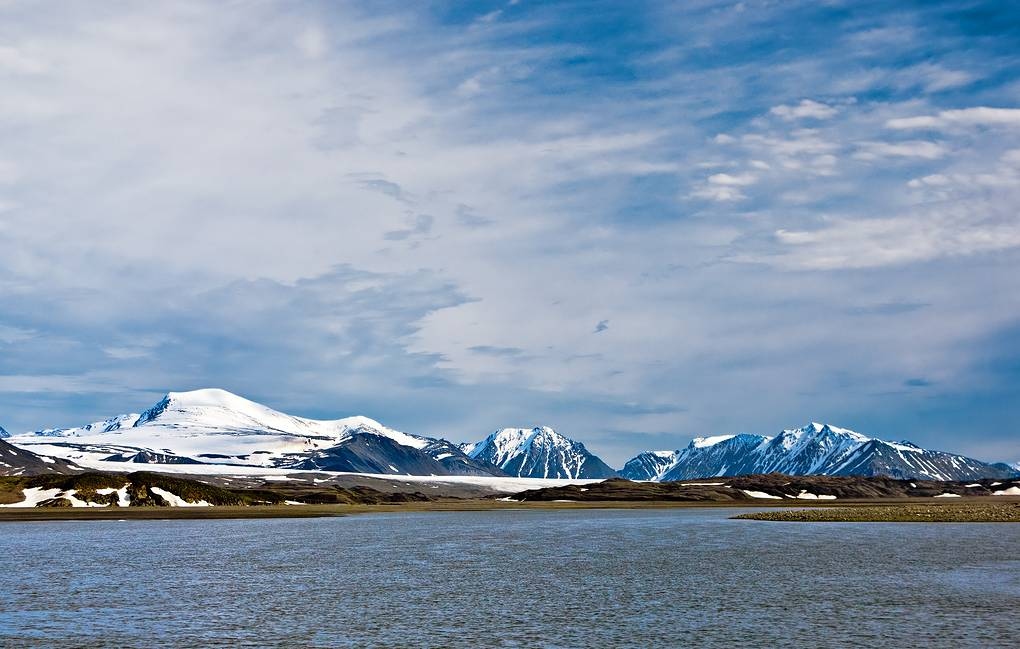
{"points": [[819, 449], [213, 426], [538, 453], [3, 433], [649, 465]]}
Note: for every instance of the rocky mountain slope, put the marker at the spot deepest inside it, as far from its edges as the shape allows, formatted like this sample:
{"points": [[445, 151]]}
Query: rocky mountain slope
{"points": [[817, 449], [649, 465], [17, 462], [143, 489], [538, 453]]}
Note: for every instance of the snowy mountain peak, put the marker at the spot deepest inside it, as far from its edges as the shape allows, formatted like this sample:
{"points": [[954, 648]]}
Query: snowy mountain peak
{"points": [[3, 433], [705, 442], [815, 429], [205, 402], [538, 452], [816, 434]]}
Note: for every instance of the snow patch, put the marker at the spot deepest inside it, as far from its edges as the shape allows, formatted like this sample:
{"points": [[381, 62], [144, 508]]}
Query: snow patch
{"points": [[805, 495], [34, 496], [705, 442], [760, 494], [174, 500]]}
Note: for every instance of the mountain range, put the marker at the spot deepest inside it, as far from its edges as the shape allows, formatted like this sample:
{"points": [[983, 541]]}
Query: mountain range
{"points": [[815, 449], [215, 427]]}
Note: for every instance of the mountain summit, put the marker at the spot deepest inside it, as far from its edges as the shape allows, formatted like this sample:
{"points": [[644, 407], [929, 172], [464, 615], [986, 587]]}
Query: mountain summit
{"points": [[538, 453], [815, 449]]}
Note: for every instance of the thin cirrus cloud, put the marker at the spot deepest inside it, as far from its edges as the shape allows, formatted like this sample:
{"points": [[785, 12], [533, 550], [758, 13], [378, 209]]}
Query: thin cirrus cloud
{"points": [[976, 116], [417, 212]]}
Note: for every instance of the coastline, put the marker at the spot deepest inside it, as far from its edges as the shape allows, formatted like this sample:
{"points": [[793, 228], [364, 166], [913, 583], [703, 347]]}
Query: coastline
{"points": [[874, 510]]}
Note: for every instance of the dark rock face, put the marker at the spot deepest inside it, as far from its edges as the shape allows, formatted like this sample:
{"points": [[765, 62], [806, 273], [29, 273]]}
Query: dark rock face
{"points": [[456, 462], [367, 453], [151, 457], [16, 461], [735, 456], [880, 458], [649, 465]]}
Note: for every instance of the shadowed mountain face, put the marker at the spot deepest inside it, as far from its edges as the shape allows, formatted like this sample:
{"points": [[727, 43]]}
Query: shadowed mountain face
{"points": [[366, 453], [16, 461], [649, 465], [3, 433], [815, 449], [538, 453]]}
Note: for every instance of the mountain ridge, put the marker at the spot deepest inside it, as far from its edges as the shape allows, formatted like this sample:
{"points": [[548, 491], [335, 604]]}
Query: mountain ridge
{"points": [[538, 452], [815, 449], [214, 426]]}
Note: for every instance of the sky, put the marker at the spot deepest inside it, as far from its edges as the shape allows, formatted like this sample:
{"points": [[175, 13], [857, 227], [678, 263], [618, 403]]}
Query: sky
{"points": [[636, 222]]}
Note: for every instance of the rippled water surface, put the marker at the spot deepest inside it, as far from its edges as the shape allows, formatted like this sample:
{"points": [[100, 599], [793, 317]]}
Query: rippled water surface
{"points": [[680, 577]]}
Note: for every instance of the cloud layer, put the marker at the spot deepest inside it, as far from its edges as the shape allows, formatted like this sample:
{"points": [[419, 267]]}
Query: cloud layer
{"points": [[637, 223]]}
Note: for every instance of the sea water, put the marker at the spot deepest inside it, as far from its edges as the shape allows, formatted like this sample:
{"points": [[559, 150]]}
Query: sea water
{"points": [[568, 578]]}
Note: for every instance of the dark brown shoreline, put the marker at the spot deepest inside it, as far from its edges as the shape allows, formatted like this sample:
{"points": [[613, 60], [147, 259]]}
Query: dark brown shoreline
{"points": [[885, 510]]}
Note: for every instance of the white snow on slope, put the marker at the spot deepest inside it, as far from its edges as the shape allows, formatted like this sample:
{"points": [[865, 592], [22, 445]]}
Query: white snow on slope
{"points": [[207, 422], [34, 496], [705, 442], [760, 494], [1011, 491], [804, 495], [123, 499], [176, 501]]}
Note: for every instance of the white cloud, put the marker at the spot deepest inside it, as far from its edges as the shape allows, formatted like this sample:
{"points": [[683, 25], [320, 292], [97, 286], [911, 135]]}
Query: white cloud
{"points": [[951, 231], [312, 42], [805, 109], [16, 61], [977, 116], [912, 149], [719, 193], [723, 187], [740, 180]]}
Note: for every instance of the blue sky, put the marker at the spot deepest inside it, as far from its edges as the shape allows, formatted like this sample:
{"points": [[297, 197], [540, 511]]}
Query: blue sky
{"points": [[636, 222]]}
